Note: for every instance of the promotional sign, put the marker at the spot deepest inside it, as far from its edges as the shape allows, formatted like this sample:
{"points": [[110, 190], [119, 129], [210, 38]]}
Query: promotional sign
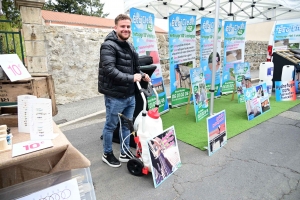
{"points": [[228, 78], [13, 67], [199, 93], [286, 36], [164, 155], [206, 53], [182, 51], [23, 109], [30, 146], [243, 79], [216, 132], [234, 41], [285, 91], [297, 86], [257, 100], [144, 40]]}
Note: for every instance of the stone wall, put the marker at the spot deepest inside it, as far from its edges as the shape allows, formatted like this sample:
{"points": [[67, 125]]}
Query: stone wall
{"points": [[73, 58]]}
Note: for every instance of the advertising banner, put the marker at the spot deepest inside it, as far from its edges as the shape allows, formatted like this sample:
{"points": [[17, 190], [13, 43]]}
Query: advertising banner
{"points": [[228, 79], [286, 36], [144, 40], [243, 79], [199, 93], [182, 52], [285, 91], [164, 155], [216, 132], [206, 53], [257, 100], [234, 41]]}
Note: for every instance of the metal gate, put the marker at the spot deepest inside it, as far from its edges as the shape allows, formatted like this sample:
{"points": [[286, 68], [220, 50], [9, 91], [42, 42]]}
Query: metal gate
{"points": [[11, 42]]}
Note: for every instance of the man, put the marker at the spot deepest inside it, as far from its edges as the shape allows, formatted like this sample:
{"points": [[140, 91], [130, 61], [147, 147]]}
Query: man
{"points": [[118, 70]]}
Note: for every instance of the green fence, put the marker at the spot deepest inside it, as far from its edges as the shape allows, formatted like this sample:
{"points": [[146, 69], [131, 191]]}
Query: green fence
{"points": [[11, 42]]}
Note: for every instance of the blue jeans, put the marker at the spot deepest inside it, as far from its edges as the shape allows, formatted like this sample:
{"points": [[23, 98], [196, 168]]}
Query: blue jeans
{"points": [[113, 107]]}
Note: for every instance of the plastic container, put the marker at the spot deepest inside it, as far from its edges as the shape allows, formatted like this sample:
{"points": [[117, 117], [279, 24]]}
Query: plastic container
{"points": [[83, 177], [266, 71], [288, 73]]}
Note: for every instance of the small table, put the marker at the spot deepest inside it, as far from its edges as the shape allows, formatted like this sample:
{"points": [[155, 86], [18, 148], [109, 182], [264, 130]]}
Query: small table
{"points": [[61, 157]]}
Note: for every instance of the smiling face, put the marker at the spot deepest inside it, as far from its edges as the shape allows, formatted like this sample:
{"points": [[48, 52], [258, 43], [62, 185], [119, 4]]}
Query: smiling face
{"points": [[123, 30]]}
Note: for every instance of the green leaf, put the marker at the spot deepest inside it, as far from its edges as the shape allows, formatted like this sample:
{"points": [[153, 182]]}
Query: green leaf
{"points": [[190, 28], [150, 27], [241, 31]]}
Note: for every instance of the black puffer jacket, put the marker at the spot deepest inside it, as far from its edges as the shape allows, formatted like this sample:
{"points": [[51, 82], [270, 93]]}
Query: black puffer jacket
{"points": [[118, 63]]}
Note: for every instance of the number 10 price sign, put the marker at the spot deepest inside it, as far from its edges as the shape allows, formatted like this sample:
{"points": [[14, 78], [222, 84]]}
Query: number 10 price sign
{"points": [[30, 146], [13, 67]]}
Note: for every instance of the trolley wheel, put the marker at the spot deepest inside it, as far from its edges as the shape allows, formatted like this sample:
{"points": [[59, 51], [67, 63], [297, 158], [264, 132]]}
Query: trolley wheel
{"points": [[135, 166]]}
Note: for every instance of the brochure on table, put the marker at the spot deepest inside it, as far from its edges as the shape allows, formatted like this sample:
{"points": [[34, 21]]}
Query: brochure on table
{"points": [[285, 90], [256, 100], [182, 51], [13, 67], [206, 53], [164, 155], [199, 93], [216, 132], [144, 40]]}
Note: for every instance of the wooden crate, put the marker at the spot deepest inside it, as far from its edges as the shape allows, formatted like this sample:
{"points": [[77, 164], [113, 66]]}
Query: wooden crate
{"points": [[9, 116], [41, 86]]}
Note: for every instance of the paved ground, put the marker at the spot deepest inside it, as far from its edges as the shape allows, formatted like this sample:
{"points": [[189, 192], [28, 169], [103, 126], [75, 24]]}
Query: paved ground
{"points": [[261, 163]]}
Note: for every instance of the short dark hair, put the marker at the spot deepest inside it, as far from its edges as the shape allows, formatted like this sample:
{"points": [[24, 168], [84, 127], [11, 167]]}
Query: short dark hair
{"points": [[121, 17]]}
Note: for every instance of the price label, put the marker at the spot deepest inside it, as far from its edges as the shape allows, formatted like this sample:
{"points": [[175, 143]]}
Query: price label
{"points": [[30, 146], [13, 67]]}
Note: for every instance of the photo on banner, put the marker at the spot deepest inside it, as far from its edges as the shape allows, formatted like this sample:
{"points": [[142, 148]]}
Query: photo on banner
{"points": [[286, 36], [234, 41], [285, 91], [182, 52], [206, 53], [257, 100], [199, 93], [216, 132], [144, 40], [164, 155]]}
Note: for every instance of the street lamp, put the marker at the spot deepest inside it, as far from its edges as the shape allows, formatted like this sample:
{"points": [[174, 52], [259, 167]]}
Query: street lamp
{"points": [[1, 12]]}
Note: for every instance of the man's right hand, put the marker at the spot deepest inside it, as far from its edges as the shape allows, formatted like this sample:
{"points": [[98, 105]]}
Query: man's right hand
{"points": [[137, 77]]}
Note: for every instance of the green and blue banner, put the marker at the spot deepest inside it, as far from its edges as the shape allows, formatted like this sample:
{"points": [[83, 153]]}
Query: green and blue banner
{"points": [[206, 53], [228, 78], [286, 35], [144, 40], [199, 93], [182, 54], [234, 41]]}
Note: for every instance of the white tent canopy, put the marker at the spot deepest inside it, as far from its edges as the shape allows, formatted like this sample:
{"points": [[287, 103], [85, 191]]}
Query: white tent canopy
{"points": [[238, 10]]}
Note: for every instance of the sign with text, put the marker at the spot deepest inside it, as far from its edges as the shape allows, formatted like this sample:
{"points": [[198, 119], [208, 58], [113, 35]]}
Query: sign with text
{"points": [[206, 53], [13, 67], [30, 146], [144, 41], [216, 132], [199, 93], [182, 51], [286, 35], [285, 91]]}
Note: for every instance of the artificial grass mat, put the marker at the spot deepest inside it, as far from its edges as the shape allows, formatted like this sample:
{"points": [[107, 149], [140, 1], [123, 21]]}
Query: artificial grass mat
{"points": [[195, 134]]}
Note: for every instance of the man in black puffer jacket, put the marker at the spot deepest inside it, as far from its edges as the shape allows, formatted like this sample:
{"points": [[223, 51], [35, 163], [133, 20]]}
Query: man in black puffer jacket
{"points": [[118, 70]]}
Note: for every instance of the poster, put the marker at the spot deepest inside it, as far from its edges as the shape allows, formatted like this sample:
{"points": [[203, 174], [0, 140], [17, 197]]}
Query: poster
{"points": [[234, 41], [216, 132], [206, 53], [182, 51], [243, 79], [228, 78], [144, 40], [297, 86], [285, 91], [164, 154], [286, 36], [199, 93], [256, 100]]}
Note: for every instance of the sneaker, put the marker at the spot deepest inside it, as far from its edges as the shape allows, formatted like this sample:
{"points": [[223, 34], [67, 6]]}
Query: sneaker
{"points": [[111, 160], [124, 157]]}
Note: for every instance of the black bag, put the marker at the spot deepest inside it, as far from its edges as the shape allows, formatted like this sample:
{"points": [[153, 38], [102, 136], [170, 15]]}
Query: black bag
{"points": [[145, 60]]}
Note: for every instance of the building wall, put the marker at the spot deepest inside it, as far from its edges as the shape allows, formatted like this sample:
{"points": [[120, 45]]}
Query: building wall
{"points": [[73, 58]]}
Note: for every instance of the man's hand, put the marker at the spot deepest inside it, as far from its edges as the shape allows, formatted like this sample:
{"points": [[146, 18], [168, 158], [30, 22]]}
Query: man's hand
{"points": [[137, 77], [146, 78]]}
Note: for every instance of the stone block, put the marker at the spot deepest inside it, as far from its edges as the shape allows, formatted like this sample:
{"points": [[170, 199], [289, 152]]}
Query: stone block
{"points": [[33, 32], [31, 15], [35, 48], [37, 64]]}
